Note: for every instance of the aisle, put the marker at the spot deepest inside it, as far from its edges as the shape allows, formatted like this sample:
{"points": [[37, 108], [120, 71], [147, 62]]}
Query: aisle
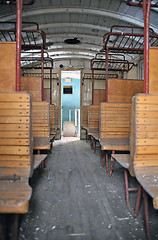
{"points": [[75, 199]]}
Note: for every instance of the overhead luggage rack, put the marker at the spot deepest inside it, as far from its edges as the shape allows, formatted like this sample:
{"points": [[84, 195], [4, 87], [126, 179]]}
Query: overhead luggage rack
{"points": [[99, 76], [116, 62], [30, 39], [126, 39]]}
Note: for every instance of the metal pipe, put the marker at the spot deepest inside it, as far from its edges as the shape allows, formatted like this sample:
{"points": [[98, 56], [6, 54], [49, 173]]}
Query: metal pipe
{"points": [[146, 13], [51, 86], [42, 71], [18, 44], [106, 81], [92, 87]]}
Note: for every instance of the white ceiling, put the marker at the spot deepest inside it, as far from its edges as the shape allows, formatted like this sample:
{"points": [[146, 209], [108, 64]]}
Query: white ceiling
{"points": [[87, 20]]}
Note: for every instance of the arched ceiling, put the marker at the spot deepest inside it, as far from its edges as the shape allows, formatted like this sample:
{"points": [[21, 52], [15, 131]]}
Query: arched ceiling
{"points": [[86, 20]]}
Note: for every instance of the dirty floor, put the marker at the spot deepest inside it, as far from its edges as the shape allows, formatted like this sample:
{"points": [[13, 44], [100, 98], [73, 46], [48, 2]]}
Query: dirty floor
{"points": [[75, 199]]}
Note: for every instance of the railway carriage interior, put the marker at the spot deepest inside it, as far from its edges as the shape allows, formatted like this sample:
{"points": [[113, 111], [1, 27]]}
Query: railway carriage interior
{"points": [[78, 119]]}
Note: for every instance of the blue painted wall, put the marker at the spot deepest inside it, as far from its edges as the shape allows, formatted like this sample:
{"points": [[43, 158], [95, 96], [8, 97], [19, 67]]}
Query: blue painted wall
{"points": [[70, 101]]}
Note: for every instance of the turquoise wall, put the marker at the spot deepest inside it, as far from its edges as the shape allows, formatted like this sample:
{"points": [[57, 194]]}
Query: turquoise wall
{"points": [[70, 101]]}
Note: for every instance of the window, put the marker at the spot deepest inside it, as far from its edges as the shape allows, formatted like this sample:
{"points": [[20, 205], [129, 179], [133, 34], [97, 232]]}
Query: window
{"points": [[67, 90]]}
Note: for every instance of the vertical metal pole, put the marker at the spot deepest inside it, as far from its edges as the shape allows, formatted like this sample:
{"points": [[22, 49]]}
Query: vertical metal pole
{"points": [[106, 80], [92, 87], [19, 4], [51, 86], [146, 13], [42, 72]]}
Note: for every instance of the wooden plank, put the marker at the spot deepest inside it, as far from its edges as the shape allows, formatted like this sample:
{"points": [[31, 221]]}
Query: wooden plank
{"points": [[14, 127], [8, 67], [147, 128], [16, 112], [19, 120], [147, 135], [122, 90], [19, 135], [14, 105], [147, 99], [147, 149], [38, 159], [16, 164], [14, 142], [15, 97], [99, 96], [147, 142], [153, 74], [15, 150], [147, 114], [148, 163], [147, 107], [122, 159], [15, 157], [147, 121]]}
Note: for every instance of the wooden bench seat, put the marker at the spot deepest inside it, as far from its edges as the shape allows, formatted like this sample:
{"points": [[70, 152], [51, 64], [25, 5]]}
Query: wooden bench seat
{"points": [[122, 159], [94, 139], [146, 144], [38, 159], [93, 124], [41, 143], [41, 125], [14, 196], [114, 129], [116, 144], [16, 152]]}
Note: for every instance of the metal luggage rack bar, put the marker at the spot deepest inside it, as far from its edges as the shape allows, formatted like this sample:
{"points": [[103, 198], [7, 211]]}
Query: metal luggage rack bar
{"points": [[99, 76], [116, 62], [31, 39], [36, 63], [131, 41]]}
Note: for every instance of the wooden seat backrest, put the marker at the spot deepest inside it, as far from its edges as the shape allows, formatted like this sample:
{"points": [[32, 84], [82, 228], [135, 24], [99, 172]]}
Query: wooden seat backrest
{"points": [[7, 66], [52, 116], [16, 132], [122, 90], [114, 120], [84, 115], [146, 144], [93, 117], [56, 115], [33, 85], [41, 119], [146, 131]]}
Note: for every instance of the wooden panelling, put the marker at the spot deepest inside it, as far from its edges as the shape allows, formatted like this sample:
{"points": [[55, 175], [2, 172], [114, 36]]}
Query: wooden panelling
{"points": [[115, 120], [99, 96], [7, 66], [33, 86], [122, 90], [93, 117], [84, 116], [46, 95], [146, 144], [153, 71], [52, 116], [41, 125], [16, 127]]}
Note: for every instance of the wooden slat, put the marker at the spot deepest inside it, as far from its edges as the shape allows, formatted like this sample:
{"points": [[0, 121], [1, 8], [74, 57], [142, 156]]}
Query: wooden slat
{"points": [[14, 127], [18, 135], [17, 164], [15, 150], [14, 142], [14, 105]]}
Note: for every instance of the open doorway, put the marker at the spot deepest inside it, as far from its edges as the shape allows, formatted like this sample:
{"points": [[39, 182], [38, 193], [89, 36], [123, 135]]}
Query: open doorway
{"points": [[70, 103]]}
